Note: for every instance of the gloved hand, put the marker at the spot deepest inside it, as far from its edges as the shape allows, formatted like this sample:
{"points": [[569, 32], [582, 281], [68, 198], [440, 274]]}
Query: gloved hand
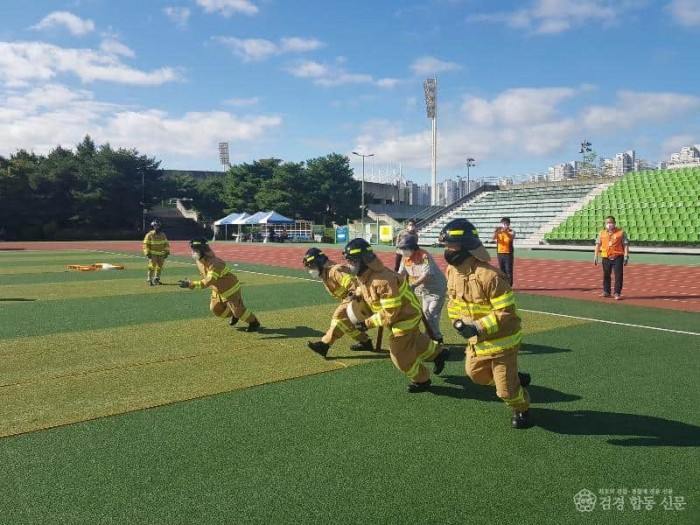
{"points": [[412, 287], [466, 330], [184, 283], [166, 256], [627, 259], [148, 256], [361, 326], [595, 260]]}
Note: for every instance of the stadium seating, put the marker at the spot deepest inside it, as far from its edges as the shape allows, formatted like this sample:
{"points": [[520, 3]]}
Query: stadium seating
{"points": [[528, 208], [653, 207]]}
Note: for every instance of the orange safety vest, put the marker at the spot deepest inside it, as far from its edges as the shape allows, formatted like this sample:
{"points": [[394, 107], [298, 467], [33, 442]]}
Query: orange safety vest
{"points": [[504, 240], [611, 243]]}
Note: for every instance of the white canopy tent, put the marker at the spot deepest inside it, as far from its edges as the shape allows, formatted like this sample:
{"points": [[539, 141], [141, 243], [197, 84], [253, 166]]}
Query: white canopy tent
{"points": [[230, 219]]}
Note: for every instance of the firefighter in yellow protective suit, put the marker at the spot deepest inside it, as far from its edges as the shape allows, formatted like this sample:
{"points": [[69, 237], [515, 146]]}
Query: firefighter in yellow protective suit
{"points": [[481, 305], [226, 300], [157, 249], [341, 284], [396, 308]]}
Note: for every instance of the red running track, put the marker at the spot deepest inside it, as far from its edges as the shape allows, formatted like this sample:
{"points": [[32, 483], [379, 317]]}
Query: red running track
{"points": [[651, 285]]}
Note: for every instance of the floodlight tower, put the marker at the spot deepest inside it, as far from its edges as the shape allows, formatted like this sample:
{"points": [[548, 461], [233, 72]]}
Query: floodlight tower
{"points": [[470, 164], [223, 155], [362, 205], [430, 89]]}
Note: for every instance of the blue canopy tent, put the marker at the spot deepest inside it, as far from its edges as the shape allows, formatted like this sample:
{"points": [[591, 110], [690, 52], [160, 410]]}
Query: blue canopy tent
{"points": [[229, 219]]}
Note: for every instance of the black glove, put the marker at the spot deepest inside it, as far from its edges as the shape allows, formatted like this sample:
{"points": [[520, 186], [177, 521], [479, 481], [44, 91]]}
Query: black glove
{"points": [[466, 330], [627, 259], [361, 326], [184, 284]]}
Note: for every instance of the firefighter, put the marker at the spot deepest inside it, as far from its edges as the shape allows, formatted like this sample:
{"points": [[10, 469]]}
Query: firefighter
{"points": [[226, 300], [157, 249], [426, 280], [396, 308], [481, 305], [614, 247], [341, 284]]}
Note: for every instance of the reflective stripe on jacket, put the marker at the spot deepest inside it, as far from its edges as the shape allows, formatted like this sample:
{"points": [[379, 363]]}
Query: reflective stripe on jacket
{"points": [[478, 292], [392, 301], [156, 243], [338, 279], [216, 275]]}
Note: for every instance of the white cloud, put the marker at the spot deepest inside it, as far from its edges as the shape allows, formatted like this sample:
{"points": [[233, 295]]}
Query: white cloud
{"points": [[229, 7], [388, 82], [75, 25], [557, 16], [258, 49], [112, 46], [242, 102], [22, 62], [334, 75], [685, 12], [529, 123], [674, 144], [178, 15], [428, 65], [42, 118], [634, 108]]}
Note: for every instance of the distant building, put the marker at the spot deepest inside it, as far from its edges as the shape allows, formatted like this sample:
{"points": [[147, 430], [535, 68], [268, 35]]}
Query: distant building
{"points": [[688, 156]]}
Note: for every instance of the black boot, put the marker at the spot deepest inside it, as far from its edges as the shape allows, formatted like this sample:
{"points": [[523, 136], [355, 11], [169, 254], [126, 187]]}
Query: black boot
{"points": [[233, 320], [521, 419], [524, 378], [319, 347], [364, 345], [414, 388], [253, 327], [440, 361]]}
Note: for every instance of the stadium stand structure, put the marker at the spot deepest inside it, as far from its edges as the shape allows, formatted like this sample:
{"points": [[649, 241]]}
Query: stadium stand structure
{"points": [[654, 207], [532, 210]]}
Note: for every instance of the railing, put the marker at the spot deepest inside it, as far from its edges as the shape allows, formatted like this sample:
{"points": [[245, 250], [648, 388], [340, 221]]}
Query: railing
{"points": [[188, 214]]}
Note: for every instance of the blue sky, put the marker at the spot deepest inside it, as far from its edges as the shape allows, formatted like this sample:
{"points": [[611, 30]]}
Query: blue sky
{"points": [[520, 83]]}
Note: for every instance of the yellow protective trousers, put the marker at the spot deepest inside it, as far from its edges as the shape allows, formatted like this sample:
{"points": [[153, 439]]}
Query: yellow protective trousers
{"points": [[155, 265], [233, 306], [341, 325], [499, 369], [409, 349]]}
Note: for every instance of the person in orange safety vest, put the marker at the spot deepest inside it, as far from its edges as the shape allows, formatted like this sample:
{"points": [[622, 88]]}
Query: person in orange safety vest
{"points": [[614, 248], [504, 236]]}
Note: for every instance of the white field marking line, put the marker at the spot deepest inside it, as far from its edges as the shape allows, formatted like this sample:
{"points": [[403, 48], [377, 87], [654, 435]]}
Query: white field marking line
{"points": [[521, 309], [611, 322]]}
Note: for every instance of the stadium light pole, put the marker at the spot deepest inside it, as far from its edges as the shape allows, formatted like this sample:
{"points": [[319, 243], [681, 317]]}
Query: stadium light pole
{"points": [[430, 91], [470, 163], [362, 205]]}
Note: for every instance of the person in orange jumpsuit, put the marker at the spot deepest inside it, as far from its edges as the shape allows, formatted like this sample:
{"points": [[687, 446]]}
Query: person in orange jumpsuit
{"points": [[396, 308], [481, 305], [157, 249], [341, 284], [226, 300]]}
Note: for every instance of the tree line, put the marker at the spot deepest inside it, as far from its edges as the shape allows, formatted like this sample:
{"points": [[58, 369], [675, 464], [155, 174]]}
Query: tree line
{"points": [[99, 192]]}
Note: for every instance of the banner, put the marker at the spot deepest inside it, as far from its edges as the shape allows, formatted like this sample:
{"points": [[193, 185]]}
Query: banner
{"points": [[341, 235], [386, 233]]}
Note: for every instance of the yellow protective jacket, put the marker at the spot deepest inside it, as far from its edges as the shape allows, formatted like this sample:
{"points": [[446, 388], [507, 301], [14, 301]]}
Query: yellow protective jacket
{"points": [[216, 275], [477, 292], [156, 244], [392, 301], [338, 280]]}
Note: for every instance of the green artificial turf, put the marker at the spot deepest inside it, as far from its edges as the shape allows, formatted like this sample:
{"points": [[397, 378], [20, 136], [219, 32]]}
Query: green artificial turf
{"points": [[254, 428]]}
